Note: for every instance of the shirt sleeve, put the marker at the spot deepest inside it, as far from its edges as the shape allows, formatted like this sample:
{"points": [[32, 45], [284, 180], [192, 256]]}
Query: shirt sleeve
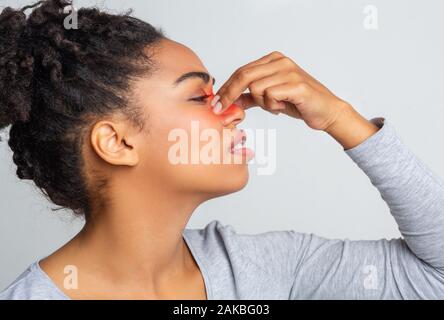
{"points": [[411, 267]]}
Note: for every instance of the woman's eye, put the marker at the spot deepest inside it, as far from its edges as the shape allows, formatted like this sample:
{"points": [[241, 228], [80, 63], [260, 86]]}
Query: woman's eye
{"points": [[200, 99]]}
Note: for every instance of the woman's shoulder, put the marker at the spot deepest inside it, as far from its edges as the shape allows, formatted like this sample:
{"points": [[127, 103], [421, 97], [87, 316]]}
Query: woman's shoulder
{"points": [[258, 265], [32, 284], [217, 241], [217, 234]]}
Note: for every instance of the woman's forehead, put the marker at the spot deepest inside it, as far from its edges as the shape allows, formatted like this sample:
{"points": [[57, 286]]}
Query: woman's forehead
{"points": [[175, 59]]}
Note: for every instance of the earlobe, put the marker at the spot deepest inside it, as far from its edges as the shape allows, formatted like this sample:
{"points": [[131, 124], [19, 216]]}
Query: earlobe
{"points": [[109, 142]]}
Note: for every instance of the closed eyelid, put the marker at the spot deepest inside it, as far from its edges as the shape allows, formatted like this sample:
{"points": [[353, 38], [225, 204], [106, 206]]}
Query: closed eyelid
{"points": [[202, 98]]}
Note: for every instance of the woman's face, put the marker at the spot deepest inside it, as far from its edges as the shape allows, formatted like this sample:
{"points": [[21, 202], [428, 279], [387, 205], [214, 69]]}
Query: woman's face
{"points": [[187, 148]]}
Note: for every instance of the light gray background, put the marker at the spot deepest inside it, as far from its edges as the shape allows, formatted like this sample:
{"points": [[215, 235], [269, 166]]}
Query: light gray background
{"points": [[396, 71]]}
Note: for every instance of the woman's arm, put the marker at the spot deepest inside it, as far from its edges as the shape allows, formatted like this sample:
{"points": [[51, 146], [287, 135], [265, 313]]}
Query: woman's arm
{"points": [[412, 267], [350, 128], [409, 268], [414, 194]]}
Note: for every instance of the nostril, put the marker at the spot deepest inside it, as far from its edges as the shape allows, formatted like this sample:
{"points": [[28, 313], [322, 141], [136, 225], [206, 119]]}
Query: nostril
{"points": [[232, 115]]}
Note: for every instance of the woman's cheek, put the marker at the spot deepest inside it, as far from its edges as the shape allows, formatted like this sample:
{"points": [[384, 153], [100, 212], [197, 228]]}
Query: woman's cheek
{"points": [[204, 117], [182, 128]]}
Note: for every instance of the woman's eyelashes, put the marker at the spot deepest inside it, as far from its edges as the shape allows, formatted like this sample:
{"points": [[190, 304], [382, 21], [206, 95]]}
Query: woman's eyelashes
{"points": [[201, 98]]}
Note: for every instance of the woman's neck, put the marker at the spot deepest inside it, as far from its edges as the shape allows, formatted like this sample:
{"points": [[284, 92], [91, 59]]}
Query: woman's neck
{"points": [[141, 233], [137, 241]]}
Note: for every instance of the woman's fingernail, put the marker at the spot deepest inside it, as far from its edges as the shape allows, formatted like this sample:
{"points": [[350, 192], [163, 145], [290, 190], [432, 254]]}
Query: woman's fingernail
{"points": [[218, 107], [215, 99]]}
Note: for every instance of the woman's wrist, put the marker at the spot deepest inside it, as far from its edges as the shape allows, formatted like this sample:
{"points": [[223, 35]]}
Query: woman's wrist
{"points": [[350, 128]]}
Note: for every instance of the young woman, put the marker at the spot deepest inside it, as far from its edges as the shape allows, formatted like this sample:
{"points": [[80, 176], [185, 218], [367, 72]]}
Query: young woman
{"points": [[91, 109]]}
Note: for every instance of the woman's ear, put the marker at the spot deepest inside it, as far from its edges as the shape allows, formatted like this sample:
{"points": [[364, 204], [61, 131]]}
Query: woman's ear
{"points": [[111, 142]]}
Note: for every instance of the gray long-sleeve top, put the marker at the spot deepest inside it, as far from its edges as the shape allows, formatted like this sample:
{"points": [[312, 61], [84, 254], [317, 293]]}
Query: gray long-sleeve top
{"points": [[292, 265]]}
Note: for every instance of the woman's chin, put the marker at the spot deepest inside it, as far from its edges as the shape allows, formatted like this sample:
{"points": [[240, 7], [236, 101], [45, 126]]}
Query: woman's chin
{"points": [[241, 180], [234, 181]]}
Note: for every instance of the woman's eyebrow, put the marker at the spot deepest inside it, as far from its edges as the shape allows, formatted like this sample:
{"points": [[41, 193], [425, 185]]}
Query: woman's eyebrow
{"points": [[194, 74]]}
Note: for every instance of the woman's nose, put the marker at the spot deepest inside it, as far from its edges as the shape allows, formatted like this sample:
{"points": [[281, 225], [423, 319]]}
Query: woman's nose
{"points": [[232, 115]]}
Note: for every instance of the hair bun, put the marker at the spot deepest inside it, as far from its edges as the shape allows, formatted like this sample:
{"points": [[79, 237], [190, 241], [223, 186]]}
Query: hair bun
{"points": [[16, 68]]}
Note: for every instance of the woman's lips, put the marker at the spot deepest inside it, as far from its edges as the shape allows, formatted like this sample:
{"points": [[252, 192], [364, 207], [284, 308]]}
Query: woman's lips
{"points": [[237, 145]]}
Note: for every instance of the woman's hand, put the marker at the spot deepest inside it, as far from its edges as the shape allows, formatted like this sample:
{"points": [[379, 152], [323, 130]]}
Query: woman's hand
{"points": [[279, 85]]}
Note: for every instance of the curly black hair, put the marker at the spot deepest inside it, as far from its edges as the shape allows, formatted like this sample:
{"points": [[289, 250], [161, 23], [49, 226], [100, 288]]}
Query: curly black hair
{"points": [[55, 82]]}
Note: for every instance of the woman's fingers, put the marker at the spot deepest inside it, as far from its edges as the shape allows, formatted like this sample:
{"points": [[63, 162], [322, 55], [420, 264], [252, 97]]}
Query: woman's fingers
{"points": [[241, 80], [245, 101], [242, 77], [258, 89], [261, 92], [276, 98], [284, 98], [265, 59]]}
